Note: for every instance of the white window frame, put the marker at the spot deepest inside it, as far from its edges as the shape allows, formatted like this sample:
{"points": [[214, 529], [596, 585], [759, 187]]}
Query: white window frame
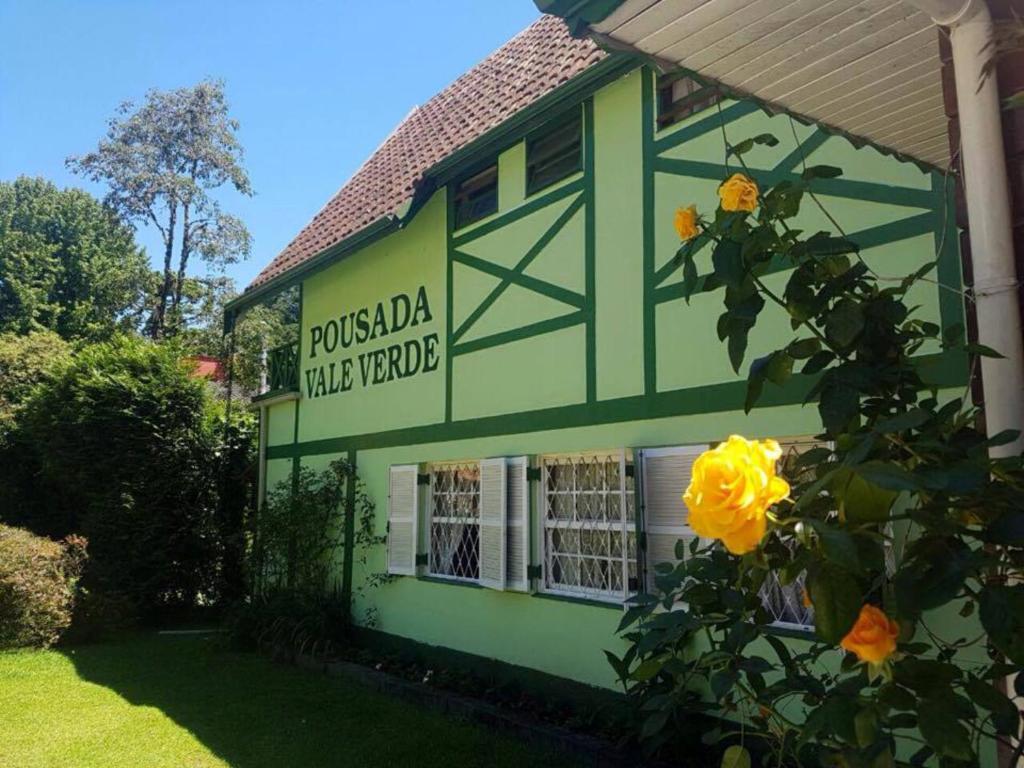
{"points": [[432, 469], [626, 525]]}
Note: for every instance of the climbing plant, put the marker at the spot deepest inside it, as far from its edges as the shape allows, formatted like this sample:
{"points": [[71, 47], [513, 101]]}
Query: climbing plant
{"points": [[908, 664]]}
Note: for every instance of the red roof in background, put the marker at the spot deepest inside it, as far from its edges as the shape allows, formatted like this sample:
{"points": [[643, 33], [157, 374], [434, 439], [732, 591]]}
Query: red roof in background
{"points": [[532, 64], [208, 367]]}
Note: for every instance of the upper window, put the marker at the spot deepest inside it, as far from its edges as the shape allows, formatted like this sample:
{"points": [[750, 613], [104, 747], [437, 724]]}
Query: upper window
{"points": [[455, 521], [476, 197], [589, 525], [680, 96], [555, 154]]}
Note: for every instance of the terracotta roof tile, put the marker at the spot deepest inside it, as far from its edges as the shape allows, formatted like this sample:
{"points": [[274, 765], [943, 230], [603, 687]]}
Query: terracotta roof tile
{"points": [[530, 65]]}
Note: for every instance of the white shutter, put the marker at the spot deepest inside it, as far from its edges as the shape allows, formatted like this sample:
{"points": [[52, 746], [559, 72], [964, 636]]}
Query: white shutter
{"points": [[518, 521], [403, 519], [493, 505], [666, 475]]}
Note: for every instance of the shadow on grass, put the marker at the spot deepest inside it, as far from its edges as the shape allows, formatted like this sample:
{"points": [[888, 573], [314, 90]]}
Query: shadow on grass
{"points": [[253, 713]]}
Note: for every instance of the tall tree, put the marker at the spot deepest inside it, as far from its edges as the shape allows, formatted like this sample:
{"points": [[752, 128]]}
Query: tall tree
{"points": [[67, 263], [162, 163]]}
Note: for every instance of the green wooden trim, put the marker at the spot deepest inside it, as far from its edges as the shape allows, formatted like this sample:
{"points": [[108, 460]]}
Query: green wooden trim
{"points": [[647, 203], [525, 332], [847, 188], [543, 287], [578, 600], [943, 371], [350, 533], [947, 252], [523, 263], [590, 249], [449, 325], [530, 206], [673, 138], [803, 150]]}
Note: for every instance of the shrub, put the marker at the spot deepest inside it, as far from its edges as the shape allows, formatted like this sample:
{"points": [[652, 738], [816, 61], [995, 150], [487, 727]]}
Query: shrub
{"points": [[131, 450], [38, 581]]}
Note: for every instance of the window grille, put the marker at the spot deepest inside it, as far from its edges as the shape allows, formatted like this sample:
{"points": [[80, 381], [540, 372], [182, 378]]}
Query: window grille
{"points": [[476, 197], [455, 521], [554, 155], [785, 602], [680, 96], [589, 531]]}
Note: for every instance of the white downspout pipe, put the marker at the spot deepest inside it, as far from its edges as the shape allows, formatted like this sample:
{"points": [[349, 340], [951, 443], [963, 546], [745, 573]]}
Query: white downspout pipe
{"points": [[988, 210]]}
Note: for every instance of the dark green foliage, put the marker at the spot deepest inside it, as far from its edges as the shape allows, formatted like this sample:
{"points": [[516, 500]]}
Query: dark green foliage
{"points": [[128, 449], [25, 362], [38, 585], [297, 603], [67, 263]]}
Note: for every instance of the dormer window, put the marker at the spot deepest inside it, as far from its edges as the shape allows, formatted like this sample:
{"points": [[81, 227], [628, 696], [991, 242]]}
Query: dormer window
{"points": [[680, 96], [554, 154], [476, 197]]}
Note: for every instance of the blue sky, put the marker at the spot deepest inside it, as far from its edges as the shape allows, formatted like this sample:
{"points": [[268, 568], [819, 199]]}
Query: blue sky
{"points": [[316, 85]]}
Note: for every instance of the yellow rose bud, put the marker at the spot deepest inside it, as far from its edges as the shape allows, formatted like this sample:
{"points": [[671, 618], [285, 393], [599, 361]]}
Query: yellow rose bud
{"points": [[686, 222], [873, 637], [738, 193], [731, 488]]}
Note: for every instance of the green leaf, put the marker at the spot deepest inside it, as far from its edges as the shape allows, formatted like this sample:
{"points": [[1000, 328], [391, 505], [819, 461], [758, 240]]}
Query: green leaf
{"points": [[838, 405], [837, 545], [802, 349], [908, 420], [728, 263], [1004, 713], [982, 351], [887, 475], [943, 731], [1001, 611], [865, 502], [647, 670], [736, 756], [837, 601], [821, 172], [1008, 529], [721, 683], [865, 725], [844, 323], [933, 573], [819, 361]]}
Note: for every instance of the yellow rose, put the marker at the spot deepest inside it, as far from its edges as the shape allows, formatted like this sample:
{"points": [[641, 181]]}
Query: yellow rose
{"points": [[686, 222], [873, 637], [730, 490], [738, 193]]}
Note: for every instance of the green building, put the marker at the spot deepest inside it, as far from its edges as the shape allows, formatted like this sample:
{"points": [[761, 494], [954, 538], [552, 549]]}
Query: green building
{"points": [[493, 329]]}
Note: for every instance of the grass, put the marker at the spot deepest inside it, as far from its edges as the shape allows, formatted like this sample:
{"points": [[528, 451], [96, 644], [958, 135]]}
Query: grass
{"points": [[185, 701]]}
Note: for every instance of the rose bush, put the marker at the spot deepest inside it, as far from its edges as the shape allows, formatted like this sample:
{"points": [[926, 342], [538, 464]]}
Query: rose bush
{"points": [[878, 685]]}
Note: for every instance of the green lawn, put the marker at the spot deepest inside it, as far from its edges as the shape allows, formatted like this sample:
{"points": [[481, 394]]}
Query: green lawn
{"points": [[154, 701]]}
